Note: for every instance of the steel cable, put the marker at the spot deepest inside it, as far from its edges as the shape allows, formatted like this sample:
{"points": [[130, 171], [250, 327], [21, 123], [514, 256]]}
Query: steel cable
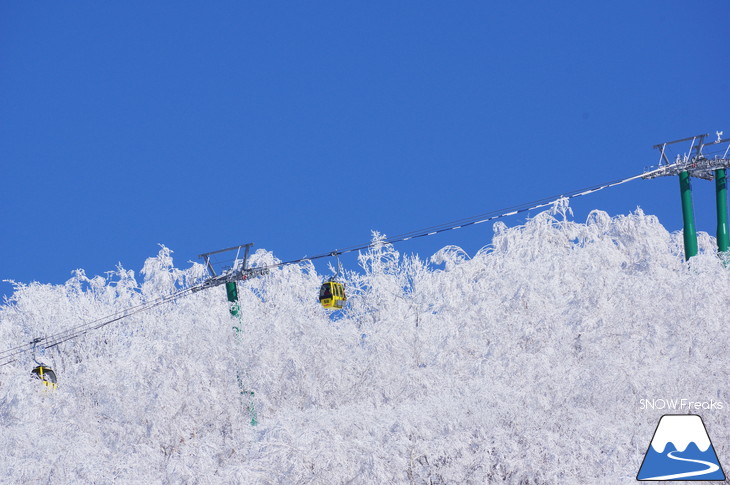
{"points": [[9, 355]]}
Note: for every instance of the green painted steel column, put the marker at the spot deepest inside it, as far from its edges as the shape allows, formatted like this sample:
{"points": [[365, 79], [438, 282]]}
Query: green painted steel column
{"points": [[232, 292], [688, 216], [723, 239], [235, 309]]}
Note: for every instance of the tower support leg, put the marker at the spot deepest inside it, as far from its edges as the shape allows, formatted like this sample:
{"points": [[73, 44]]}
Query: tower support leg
{"points": [[232, 293], [723, 240], [688, 216], [235, 309]]}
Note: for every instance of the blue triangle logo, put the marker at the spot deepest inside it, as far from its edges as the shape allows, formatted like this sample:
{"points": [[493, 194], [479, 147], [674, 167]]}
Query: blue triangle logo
{"points": [[681, 450]]}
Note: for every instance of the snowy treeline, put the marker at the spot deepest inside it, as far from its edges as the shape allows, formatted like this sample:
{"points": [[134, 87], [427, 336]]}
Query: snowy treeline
{"points": [[525, 363]]}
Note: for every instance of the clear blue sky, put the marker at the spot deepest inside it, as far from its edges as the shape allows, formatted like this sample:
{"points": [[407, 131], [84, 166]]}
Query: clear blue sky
{"points": [[301, 126]]}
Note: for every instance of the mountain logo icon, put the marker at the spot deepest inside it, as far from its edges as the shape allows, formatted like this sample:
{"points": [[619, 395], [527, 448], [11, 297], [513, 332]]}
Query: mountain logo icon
{"points": [[681, 450]]}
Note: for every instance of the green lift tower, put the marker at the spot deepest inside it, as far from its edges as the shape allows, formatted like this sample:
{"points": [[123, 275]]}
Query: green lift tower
{"points": [[705, 160]]}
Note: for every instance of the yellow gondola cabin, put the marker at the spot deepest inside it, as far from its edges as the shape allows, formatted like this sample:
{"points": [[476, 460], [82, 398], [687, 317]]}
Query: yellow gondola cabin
{"points": [[332, 295], [46, 375]]}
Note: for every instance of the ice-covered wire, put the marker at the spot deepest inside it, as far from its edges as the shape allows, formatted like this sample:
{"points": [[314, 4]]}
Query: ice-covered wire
{"points": [[10, 355], [461, 223]]}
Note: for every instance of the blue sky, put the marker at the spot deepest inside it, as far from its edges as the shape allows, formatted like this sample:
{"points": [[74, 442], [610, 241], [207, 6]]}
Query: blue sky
{"points": [[302, 126]]}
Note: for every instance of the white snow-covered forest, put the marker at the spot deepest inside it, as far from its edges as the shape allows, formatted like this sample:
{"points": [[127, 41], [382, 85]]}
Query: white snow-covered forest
{"points": [[524, 363]]}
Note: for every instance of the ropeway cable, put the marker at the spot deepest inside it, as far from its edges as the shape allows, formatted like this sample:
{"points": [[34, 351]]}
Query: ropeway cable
{"points": [[470, 221], [10, 355]]}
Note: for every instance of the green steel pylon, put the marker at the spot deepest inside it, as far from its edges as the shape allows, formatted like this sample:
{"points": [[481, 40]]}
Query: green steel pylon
{"points": [[232, 293], [688, 216], [235, 310], [694, 163], [723, 240]]}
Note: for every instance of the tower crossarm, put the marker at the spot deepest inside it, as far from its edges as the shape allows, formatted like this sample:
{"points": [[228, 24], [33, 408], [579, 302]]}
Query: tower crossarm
{"points": [[233, 275], [695, 162], [238, 272], [698, 167]]}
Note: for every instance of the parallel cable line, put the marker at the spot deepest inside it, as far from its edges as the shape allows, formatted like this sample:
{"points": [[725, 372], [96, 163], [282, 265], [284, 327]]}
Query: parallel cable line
{"points": [[10, 355], [461, 223]]}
